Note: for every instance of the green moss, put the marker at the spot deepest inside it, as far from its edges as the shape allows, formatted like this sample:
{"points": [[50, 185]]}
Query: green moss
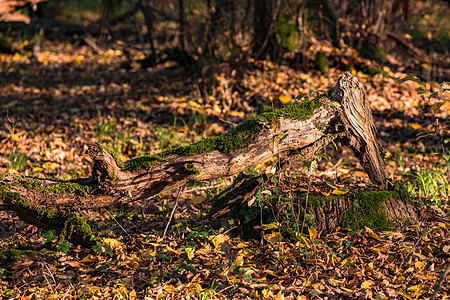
{"points": [[112, 175], [145, 161], [59, 188], [13, 253], [403, 192], [238, 138], [66, 223], [322, 63], [369, 210], [374, 71]]}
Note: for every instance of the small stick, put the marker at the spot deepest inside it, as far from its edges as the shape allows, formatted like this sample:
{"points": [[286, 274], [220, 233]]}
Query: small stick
{"points": [[117, 222], [206, 188], [438, 286], [173, 210], [65, 295], [415, 245]]}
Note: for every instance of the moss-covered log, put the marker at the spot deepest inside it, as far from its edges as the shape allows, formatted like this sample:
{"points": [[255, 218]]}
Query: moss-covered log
{"points": [[299, 130]]}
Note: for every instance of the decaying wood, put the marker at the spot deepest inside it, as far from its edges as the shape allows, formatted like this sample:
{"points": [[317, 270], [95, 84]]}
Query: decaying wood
{"points": [[362, 135], [347, 118]]}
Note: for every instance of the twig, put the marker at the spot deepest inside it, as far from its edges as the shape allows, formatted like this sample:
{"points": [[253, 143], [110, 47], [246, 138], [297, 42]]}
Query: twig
{"points": [[228, 122], [206, 188], [438, 286], [306, 204], [222, 290], [334, 166], [50, 273], [173, 211], [67, 292], [412, 248], [117, 222]]}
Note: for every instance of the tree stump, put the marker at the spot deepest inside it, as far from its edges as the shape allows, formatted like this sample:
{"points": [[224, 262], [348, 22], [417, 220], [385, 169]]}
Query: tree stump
{"points": [[297, 132]]}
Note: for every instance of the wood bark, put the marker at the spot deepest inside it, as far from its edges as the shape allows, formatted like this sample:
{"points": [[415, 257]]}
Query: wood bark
{"points": [[346, 117]]}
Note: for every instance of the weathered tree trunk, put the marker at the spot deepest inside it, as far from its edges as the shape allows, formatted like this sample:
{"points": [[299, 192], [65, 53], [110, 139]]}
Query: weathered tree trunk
{"points": [[296, 132]]}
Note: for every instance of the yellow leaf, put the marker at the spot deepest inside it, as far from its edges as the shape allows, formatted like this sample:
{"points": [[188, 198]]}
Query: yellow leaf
{"points": [[190, 252], [270, 65], [416, 126], [170, 250], [53, 165], [405, 296], [304, 241], [431, 276], [194, 286], [368, 284], [89, 259], [312, 233], [168, 288], [444, 225], [29, 164], [279, 296], [113, 243], [299, 189], [339, 191], [415, 288], [369, 267], [349, 261], [419, 265], [132, 294], [15, 137], [239, 260], [284, 99], [194, 104], [38, 169], [273, 225], [218, 240]]}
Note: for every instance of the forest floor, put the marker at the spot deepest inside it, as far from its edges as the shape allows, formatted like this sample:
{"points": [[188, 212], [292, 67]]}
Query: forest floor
{"points": [[54, 105]]}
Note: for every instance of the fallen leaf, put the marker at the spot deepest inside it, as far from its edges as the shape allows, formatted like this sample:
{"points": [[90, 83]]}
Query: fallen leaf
{"points": [[340, 191], [218, 240], [284, 99], [190, 252], [312, 234], [371, 233], [368, 284]]}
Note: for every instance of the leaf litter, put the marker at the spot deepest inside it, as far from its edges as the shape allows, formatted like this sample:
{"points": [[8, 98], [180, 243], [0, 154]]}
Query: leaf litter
{"points": [[61, 103]]}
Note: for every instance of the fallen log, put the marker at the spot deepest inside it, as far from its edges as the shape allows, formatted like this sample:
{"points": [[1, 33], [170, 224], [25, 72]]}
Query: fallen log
{"points": [[298, 131]]}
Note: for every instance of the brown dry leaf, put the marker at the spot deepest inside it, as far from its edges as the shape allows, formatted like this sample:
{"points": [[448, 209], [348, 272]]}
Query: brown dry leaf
{"points": [[371, 233]]}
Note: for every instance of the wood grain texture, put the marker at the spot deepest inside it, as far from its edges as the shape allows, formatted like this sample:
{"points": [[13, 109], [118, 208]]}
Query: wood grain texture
{"points": [[347, 118]]}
